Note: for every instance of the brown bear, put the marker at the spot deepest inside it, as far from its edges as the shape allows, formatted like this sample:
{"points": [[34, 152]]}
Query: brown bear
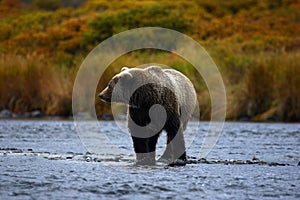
{"points": [[158, 99]]}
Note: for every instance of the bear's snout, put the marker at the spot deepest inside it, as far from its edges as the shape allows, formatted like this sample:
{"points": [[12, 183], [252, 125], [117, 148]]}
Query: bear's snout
{"points": [[103, 96]]}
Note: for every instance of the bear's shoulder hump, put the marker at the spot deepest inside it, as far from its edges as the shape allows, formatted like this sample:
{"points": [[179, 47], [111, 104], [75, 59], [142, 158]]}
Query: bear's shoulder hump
{"points": [[154, 69]]}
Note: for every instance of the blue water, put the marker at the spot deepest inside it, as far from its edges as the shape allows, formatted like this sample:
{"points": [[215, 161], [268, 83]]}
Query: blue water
{"points": [[47, 160]]}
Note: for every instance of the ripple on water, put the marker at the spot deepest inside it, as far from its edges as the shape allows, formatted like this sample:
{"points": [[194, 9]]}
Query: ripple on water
{"points": [[32, 174]]}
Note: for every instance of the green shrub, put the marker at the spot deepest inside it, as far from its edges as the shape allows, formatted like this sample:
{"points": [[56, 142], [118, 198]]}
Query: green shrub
{"points": [[108, 24], [48, 4]]}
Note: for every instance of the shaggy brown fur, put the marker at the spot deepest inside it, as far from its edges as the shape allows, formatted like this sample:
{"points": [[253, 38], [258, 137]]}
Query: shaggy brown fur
{"points": [[167, 88]]}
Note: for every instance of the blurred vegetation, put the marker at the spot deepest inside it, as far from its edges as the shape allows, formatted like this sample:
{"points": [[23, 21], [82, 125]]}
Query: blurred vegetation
{"points": [[255, 44]]}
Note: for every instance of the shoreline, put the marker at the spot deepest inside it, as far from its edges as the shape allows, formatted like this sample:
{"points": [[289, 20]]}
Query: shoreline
{"points": [[6, 114]]}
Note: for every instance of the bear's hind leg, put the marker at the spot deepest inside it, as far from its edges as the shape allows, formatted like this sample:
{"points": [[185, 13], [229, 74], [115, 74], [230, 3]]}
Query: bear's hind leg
{"points": [[167, 155], [175, 144]]}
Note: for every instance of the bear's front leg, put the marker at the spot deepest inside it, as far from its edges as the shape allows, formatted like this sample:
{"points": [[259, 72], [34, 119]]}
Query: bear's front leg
{"points": [[145, 150], [143, 135]]}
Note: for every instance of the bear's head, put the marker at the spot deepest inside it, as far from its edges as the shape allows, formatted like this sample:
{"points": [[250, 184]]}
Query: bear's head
{"points": [[123, 86], [118, 88]]}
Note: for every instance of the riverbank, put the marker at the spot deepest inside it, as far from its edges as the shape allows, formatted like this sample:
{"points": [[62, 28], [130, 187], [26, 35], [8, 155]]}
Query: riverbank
{"points": [[255, 45], [39, 115]]}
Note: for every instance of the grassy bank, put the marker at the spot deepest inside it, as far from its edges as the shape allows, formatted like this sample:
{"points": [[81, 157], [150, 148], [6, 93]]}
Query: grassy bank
{"points": [[255, 45], [31, 83]]}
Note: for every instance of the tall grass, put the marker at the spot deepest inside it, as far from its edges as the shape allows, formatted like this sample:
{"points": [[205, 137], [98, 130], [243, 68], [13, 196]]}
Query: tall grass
{"points": [[29, 83], [267, 87], [270, 89], [288, 87]]}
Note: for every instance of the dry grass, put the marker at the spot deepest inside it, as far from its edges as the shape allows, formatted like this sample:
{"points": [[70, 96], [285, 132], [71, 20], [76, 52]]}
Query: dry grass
{"points": [[270, 88], [288, 87], [30, 83]]}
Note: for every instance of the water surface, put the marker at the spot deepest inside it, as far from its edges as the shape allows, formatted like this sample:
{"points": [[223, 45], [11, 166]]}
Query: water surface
{"points": [[46, 159]]}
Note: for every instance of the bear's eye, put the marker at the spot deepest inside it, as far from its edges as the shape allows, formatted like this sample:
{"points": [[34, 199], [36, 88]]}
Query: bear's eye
{"points": [[111, 84]]}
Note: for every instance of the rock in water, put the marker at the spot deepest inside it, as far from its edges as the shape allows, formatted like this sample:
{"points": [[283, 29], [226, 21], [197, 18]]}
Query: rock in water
{"points": [[5, 113], [37, 113]]}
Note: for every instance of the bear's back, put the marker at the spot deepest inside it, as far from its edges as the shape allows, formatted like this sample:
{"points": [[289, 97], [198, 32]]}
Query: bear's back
{"points": [[155, 80], [176, 81], [183, 86], [185, 93]]}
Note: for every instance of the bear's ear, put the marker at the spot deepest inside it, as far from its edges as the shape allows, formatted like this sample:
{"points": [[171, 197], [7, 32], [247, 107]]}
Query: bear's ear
{"points": [[124, 68], [127, 76]]}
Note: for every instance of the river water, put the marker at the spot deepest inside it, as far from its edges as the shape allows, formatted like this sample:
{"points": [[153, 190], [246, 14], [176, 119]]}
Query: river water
{"points": [[47, 160]]}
